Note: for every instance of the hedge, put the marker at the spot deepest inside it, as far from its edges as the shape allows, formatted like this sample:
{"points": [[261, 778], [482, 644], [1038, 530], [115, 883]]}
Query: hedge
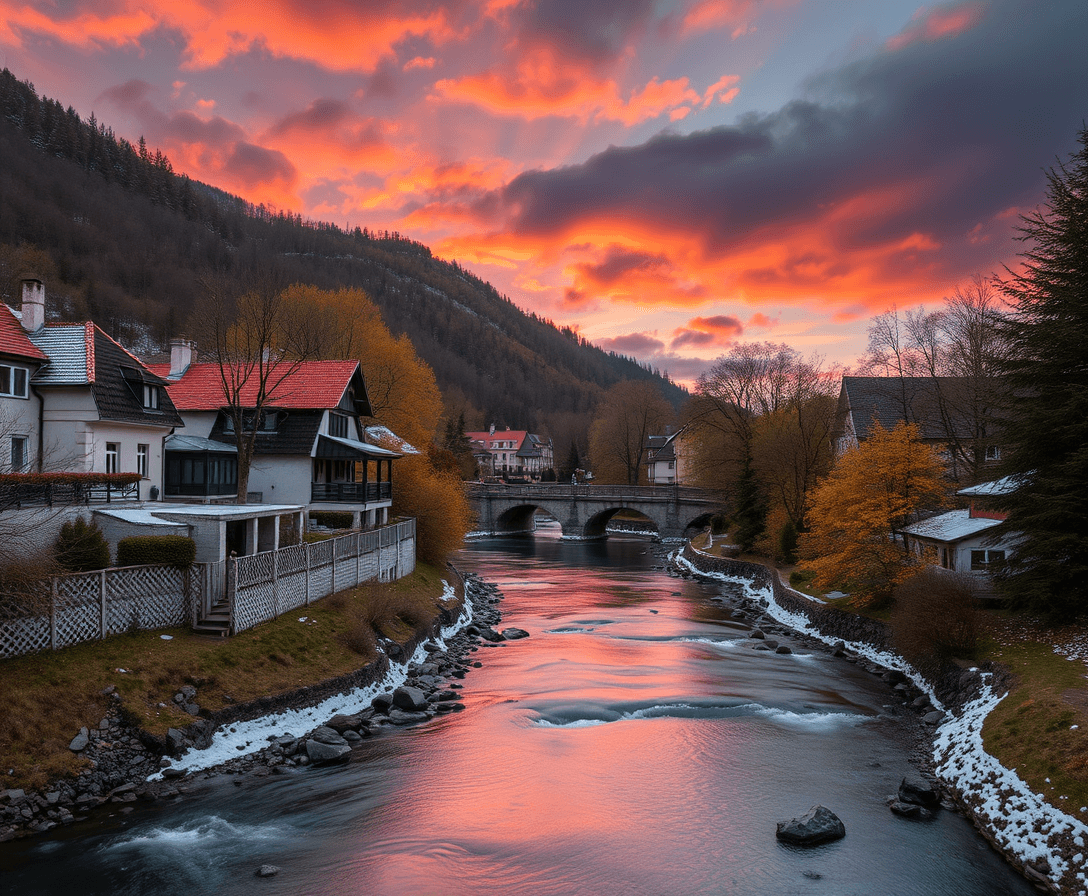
{"points": [[81, 546], [332, 519], [164, 550]]}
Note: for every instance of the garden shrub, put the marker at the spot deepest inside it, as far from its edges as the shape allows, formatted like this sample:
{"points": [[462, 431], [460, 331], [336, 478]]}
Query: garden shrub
{"points": [[332, 519], [81, 546], [166, 550], [935, 616]]}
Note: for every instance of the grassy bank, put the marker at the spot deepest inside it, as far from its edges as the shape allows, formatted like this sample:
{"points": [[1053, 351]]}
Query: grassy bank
{"points": [[1041, 728], [46, 698]]}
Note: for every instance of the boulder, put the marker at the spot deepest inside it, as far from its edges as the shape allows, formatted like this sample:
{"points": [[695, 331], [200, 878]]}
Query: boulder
{"points": [[513, 634], [756, 633], [175, 741], [783, 649], [933, 718], [409, 699], [382, 702], [918, 792], [909, 810], [326, 747], [80, 741], [341, 723], [818, 825], [267, 871]]}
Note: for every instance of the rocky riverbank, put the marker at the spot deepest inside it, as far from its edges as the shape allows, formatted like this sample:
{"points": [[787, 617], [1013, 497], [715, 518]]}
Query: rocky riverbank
{"points": [[947, 709], [128, 764]]}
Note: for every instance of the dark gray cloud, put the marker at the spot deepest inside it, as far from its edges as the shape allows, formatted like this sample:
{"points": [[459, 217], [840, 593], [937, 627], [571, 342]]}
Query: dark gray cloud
{"points": [[935, 136], [597, 32], [640, 345], [255, 165]]}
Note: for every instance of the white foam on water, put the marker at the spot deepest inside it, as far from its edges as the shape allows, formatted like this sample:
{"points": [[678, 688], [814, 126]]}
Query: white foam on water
{"points": [[244, 738]]}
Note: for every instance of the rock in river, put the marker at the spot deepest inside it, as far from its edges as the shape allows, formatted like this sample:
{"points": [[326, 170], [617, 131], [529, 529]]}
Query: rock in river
{"points": [[818, 825], [325, 746]]}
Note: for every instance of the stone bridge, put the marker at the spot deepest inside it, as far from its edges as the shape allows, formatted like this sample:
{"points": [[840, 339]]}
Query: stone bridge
{"points": [[584, 510]]}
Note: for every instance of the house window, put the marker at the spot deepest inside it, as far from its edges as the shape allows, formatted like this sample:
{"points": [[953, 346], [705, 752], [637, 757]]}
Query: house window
{"points": [[983, 560], [151, 397], [269, 421], [141, 460], [18, 453], [113, 454], [338, 426], [13, 381], [993, 452]]}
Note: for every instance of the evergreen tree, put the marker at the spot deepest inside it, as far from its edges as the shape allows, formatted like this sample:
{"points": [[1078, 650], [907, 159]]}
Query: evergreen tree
{"points": [[750, 517], [1046, 437], [571, 464]]}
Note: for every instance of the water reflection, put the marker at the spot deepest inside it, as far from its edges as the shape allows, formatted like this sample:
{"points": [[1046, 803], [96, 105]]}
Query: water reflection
{"points": [[631, 745]]}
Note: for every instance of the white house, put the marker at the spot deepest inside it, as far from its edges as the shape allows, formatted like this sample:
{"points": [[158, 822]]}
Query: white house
{"points": [[75, 400], [665, 459], [512, 452], [962, 540], [310, 449]]}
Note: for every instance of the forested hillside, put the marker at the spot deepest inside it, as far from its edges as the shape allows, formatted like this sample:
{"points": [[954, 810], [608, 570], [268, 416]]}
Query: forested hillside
{"points": [[121, 238]]}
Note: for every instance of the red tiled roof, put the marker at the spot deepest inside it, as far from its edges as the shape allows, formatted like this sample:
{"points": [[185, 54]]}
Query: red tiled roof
{"points": [[13, 339], [314, 384], [517, 436]]}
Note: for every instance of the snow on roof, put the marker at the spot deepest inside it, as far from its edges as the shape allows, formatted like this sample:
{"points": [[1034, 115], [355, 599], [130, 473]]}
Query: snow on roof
{"points": [[379, 433], [360, 447], [70, 348], [180, 442], [955, 525], [989, 489]]}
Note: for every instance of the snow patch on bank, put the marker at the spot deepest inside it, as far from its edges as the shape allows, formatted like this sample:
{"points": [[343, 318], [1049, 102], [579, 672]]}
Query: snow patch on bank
{"points": [[243, 738], [1021, 821]]}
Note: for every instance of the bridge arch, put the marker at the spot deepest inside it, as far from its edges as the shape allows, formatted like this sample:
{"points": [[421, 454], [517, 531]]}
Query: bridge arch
{"points": [[596, 526]]}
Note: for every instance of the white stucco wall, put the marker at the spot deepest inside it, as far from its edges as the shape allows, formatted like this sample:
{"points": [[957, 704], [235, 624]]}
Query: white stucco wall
{"points": [[283, 479], [19, 417]]}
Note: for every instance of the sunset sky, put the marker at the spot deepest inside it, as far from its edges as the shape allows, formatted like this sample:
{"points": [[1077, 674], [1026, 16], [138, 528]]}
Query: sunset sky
{"points": [[669, 177]]}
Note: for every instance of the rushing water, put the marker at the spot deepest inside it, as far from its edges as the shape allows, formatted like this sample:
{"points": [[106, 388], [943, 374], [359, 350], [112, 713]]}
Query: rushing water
{"points": [[631, 745]]}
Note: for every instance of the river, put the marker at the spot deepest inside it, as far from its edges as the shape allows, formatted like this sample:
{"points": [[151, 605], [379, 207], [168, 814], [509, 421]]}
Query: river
{"points": [[631, 745]]}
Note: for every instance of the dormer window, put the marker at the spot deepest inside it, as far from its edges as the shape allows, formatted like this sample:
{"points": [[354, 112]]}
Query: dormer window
{"points": [[151, 397], [268, 422], [13, 381]]}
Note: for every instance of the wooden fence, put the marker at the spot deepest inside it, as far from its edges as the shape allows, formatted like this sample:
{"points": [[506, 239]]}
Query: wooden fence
{"points": [[89, 606]]}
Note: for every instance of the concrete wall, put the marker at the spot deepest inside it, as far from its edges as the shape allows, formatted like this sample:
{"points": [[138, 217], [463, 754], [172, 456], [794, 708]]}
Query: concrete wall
{"points": [[115, 529], [282, 479]]}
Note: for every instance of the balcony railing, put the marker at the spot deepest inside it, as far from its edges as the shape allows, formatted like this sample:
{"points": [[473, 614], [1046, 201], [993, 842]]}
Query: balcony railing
{"points": [[350, 492], [48, 494]]}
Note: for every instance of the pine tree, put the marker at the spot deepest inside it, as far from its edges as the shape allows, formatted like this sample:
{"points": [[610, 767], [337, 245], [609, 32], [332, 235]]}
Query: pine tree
{"points": [[1045, 443], [750, 517]]}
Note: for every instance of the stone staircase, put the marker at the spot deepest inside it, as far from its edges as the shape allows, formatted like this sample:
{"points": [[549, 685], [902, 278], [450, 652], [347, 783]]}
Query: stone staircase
{"points": [[217, 621]]}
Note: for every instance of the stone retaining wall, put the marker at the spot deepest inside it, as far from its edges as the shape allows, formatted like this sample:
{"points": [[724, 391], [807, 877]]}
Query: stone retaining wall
{"points": [[953, 685]]}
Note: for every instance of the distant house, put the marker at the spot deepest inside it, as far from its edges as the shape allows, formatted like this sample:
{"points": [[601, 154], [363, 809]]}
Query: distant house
{"points": [[311, 447], [962, 540], [74, 400], [665, 458], [951, 413], [512, 453]]}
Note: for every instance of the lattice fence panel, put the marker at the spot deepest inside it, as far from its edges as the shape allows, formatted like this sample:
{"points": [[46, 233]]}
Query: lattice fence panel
{"points": [[320, 581], [253, 569], [29, 634], [292, 591], [321, 553], [78, 612], [252, 605], [291, 559], [345, 547], [368, 542], [144, 597], [369, 567], [345, 574]]}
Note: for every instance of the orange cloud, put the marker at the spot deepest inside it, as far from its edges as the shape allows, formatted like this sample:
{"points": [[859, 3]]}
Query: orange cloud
{"points": [[933, 24], [711, 15], [724, 89], [338, 35], [544, 83]]}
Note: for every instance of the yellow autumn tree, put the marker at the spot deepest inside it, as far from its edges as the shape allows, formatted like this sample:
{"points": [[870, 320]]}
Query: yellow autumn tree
{"points": [[871, 493], [405, 398]]}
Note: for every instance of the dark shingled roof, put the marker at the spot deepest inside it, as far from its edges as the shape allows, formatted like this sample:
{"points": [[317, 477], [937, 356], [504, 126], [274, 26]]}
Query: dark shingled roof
{"points": [[295, 432], [890, 400], [118, 384]]}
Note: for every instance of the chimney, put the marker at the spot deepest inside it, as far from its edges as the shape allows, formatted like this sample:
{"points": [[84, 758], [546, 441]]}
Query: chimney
{"points": [[181, 356], [492, 429], [33, 303]]}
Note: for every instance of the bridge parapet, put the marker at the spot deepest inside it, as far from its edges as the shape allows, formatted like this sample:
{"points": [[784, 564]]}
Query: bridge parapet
{"points": [[584, 510]]}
